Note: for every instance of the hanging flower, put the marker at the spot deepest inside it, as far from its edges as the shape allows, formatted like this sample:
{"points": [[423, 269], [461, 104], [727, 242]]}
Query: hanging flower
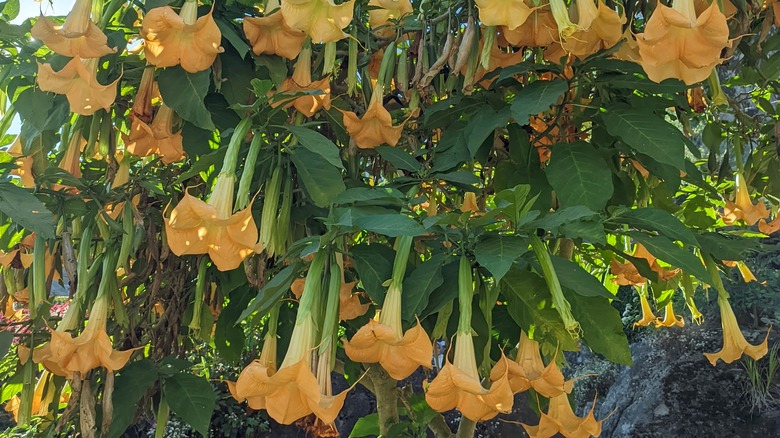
{"points": [[499, 58], [271, 35], [734, 343], [561, 16], [509, 13], [322, 20], [383, 341], [626, 273], [181, 39], [678, 44], [598, 28], [300, 81], [628, 51], [71, 161], [158, 138], [24, 163], [375, 127], [528, 371], [78, 37], [469, 203], [458, 385], [670, 319], [743, 208], [386, 10], [560, 418], [769, 227], [78, 82], [249, 385], [350, 306], [539, 30], [648, 316]]}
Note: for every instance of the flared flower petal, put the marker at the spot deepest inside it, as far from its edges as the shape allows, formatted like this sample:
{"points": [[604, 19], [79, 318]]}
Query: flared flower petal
{"points": [[626, 273], [78, 37], [24, 164], [528, 371], [603, 31], [769, 227], [375, 127], [170, 40], [509, 13], [271, 35], [322, 20], [386, 10], [670, 319], [458, 386], [734, 342], [400, 357], [350, 306], [194, 227], [157, 138], [648, 317], [677, 44], [317, 97], [78, 82], [560, 418], [539, 30], [742, 208]]}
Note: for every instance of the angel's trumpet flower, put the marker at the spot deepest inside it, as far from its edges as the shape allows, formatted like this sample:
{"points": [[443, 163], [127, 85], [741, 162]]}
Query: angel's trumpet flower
{"points": [[323, 20], [300, 81], [648, 317], [734, 342], [561, 16], [24, 163], [678, 44], [249, 385], [158, 138], [78, 82], [598, 28], [743, 208], [197, 227], [539, 30], [181, 39], [383, 341], [271, 35], [626, 273], [458, 384], [670, 319], [528, 370], [77, 37], [375, 127], [385, 11], [560, 418], [509, 13]]}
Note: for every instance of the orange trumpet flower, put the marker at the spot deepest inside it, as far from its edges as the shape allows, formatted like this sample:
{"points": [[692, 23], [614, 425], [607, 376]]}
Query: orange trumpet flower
{"points": [[323, 20], [734, 343], [743, 208], [77, 37], [78, 82], [375, 127], [271, 35]]}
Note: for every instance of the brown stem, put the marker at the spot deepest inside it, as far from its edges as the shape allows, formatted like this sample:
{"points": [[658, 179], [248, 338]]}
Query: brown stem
{"points": [[566, 248], [87, 410], [440, 428], [386, 393], [466, 428], [108, 404], [73, 403]]}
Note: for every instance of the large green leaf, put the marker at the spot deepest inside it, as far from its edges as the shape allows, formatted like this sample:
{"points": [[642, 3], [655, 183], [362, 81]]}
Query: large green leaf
{"points": [[536, 98], [646, 133], [579, 176], [602, 328], [572, 276], [229, 336], [273, 290], [661, 221], [483, 124], [130, 385], [391, 225], [664, 249], [318, 144], [192, 398], [725, 247], [419, 285], [374, 265], [498, 253], [185, 93], [322, 181], [399, 158], [26, 210]]}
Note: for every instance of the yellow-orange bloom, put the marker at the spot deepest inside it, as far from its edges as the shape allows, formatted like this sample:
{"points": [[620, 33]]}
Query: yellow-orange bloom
{"points": [[678, 44], [734, 342], [78, 82], [509, 13], [300, 81], [743, 208], [769, 227], [384, 341], [181, 39], [375, 127], [24, 164], [598, 28], [249, 385], [386, 10], [322, 20], [158, 138], [670, 319], [469, 203], [350, 306], [528, 371], [648, 316], [560, 418], [77, 37], [458, 385], [626, 273], [539, 30], [71, 161], [197, 227], [271, 35]]}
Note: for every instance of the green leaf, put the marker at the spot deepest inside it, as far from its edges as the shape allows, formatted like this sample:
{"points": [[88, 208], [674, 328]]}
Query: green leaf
{"points": [[366, 426], [43, 111], [390, 225], [664, 249], [192, 398], [536, 98], [530, 304], [498, 253], [459, 177], [323, 182], [374, 265], [601, 326], [235, 40], [11, 9], [579, 176], [151, 4], [419, 285], [370, 195], [317, 143], [273, 290], [130, 385], [483, 124], [646, 133], [445, 293], [26, 210], [725, 247], [6, 338], [661, 221], [185, 93], [572, 276], [229, 336], [399, 158]]}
